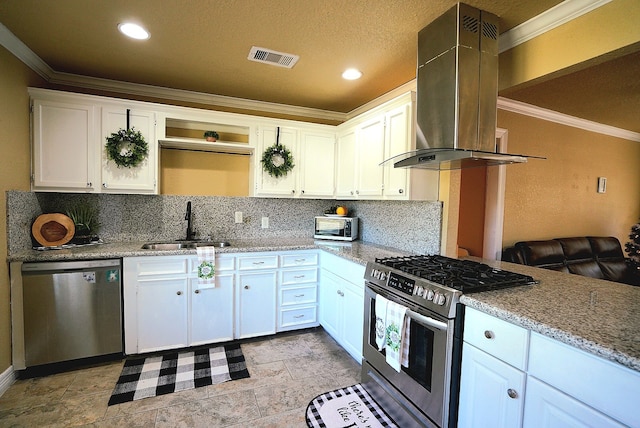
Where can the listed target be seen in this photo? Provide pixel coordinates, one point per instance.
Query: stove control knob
(419, 291)
(439, 299)
(429, 295)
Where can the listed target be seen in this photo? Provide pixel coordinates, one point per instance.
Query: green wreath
(277, 161)
(127, 148)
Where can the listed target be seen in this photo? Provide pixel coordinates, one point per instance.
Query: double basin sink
(183, 245)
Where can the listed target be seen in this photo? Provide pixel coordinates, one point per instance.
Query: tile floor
(287, 371)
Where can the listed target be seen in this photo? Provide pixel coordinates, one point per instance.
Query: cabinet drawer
(299, 276)
(499, 338)
(298, 295)
(223, 263)
(602, 384)
(156, 266)
(258, 262)
(299, 259)
(297, 316)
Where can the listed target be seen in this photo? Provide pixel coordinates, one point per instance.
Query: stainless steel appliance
(424, 394)
(71, 310)
(457, 92)
(336, 228)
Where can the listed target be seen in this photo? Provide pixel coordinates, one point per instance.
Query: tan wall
(15, 156)
(557, 197)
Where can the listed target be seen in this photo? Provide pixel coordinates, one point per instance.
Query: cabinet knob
(293, 192)
(512, 393)
(489, 334)
(302, 192)
(104, 185)
(197, 291)
(89, 184)
(179, 293)
(357, 192)
(246, 287)
(351, 192)
(340, 293)
(401, 191)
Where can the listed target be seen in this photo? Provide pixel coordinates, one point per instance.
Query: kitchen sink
(181, 245)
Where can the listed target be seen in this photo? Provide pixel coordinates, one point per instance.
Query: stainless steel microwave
(336, 228)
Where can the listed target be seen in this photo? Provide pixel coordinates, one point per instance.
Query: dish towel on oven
(206, 265)
(404, 354)
(395, 332)
(381, 321)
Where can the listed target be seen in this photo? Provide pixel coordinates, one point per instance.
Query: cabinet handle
(197, 291)
(298, 276)
(246, 287)
(179, 293)
(258, 263)
(489, 334)
(301, 260)
(89, 184)
(340, 293)
(512, 393)
(299, 316)
(299, 295)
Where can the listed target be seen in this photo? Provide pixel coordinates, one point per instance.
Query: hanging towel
(395, 329)
(381, 321)
(206, 265)
(404, 359)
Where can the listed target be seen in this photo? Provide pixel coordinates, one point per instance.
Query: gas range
(437, 282)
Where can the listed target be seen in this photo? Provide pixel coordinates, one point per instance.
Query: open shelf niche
(188, 135)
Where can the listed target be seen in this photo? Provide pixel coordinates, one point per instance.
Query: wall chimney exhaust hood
(457, 81)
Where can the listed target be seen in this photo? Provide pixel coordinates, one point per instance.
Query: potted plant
(86, 222)
(211, 135)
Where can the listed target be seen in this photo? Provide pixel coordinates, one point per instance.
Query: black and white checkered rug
(347, 407)
(159, 374)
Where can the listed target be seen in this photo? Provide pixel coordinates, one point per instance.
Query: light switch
(238, 216)
(265, 222)
(602, 184)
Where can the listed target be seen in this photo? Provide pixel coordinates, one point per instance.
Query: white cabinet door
(139, 179)
(491, 391)
(211, 315)
(346, 164)
(353, 319)
(546, 407)
(286, 185)
(330, 303)
(397, 140)
(63, 146)
(370, 154)
(161, 313)
(256, 304)
(317, 172)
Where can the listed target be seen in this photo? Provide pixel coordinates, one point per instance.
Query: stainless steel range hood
(457, 93)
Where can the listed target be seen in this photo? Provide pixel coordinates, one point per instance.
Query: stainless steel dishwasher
(71, 310)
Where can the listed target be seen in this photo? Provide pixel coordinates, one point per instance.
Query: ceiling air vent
(272, 57)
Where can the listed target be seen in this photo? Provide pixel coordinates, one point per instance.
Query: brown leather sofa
(593, 256)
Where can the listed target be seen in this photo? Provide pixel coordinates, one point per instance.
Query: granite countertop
(597, 316)
(356, 251)
(600, 317)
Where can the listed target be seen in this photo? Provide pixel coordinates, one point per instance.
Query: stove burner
(465, 275)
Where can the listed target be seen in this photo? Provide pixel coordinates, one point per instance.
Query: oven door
(425, 382)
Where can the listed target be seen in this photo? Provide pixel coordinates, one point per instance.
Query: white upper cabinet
(369, 155)
(63, 153)
(398, 140)
(313, 154)
(141, 178)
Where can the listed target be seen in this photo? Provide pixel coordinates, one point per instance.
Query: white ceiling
(202, 46)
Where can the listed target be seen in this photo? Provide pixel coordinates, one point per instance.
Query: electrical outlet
(265, 222)
(238, 217)
(602, 184)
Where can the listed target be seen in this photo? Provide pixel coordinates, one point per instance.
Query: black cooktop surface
(467, 276)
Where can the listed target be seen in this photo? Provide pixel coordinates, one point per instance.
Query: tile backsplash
(407, 225)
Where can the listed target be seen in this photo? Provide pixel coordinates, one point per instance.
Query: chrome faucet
(190, 233)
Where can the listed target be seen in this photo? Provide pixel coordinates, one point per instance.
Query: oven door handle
(428, 321)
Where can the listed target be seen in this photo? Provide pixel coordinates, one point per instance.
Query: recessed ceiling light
(134, 31)
(351, 74)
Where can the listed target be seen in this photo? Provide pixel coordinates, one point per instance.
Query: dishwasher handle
(69, 265)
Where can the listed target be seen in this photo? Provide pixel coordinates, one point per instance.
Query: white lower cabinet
(512, 377)
(256, 304)
(491, 391)
(298, 290)
(342, 302)
(165, 307)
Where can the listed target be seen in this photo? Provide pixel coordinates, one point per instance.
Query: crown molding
(547, 20)
(564, 119)
(24, 54)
